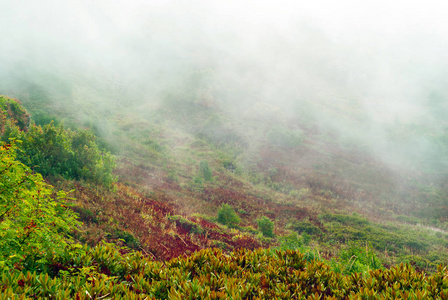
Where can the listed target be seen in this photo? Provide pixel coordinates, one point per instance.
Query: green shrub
(266, 226)
(229, 165)
(205, 171)
(357, 258)
(299, 194)
(128, 238)
(197, 184)
(294, 242)
(353, 219)
(228, 216)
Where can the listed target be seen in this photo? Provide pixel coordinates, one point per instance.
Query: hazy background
(373, 72)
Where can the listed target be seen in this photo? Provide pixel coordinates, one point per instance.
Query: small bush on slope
(205, 171)
(266, 226)
(356, 258)
(228, 216)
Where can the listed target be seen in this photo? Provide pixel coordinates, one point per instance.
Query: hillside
(298, 177)
(291, 185)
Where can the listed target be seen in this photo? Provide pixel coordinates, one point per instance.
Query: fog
(358, 68)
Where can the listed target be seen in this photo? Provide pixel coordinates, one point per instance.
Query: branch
(3, 214)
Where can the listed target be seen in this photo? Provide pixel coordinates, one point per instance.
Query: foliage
(12, 113)
(229, 165)
(306, 227)
(356, 258)
(344, 228)
(107, 272)
(85, 215)
(186, 224)
(294, 242)
(228, 216)
(205, 171)
(52, 150)
(299, 194)
(42, 118)
(127, 237)
(266, 226)
(33, 226)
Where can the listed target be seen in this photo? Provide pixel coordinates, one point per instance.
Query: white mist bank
(379, 62)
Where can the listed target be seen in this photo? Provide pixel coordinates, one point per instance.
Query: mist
(367, 73)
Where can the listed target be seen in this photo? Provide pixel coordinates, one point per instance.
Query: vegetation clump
(306, 227)
(344, 228)
(266, 226)
(228, 216)
(12, 113)
(205, 171)
(356, 258)
(53, 150)
(186, 224)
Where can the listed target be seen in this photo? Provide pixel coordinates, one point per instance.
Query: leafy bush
(294, 242)
(353, 219)
(229, 165)
(43, 118)
(33, 226)
(205, 171)
(266, 226)
(128, 238)
(357, 258)
(228, 216)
